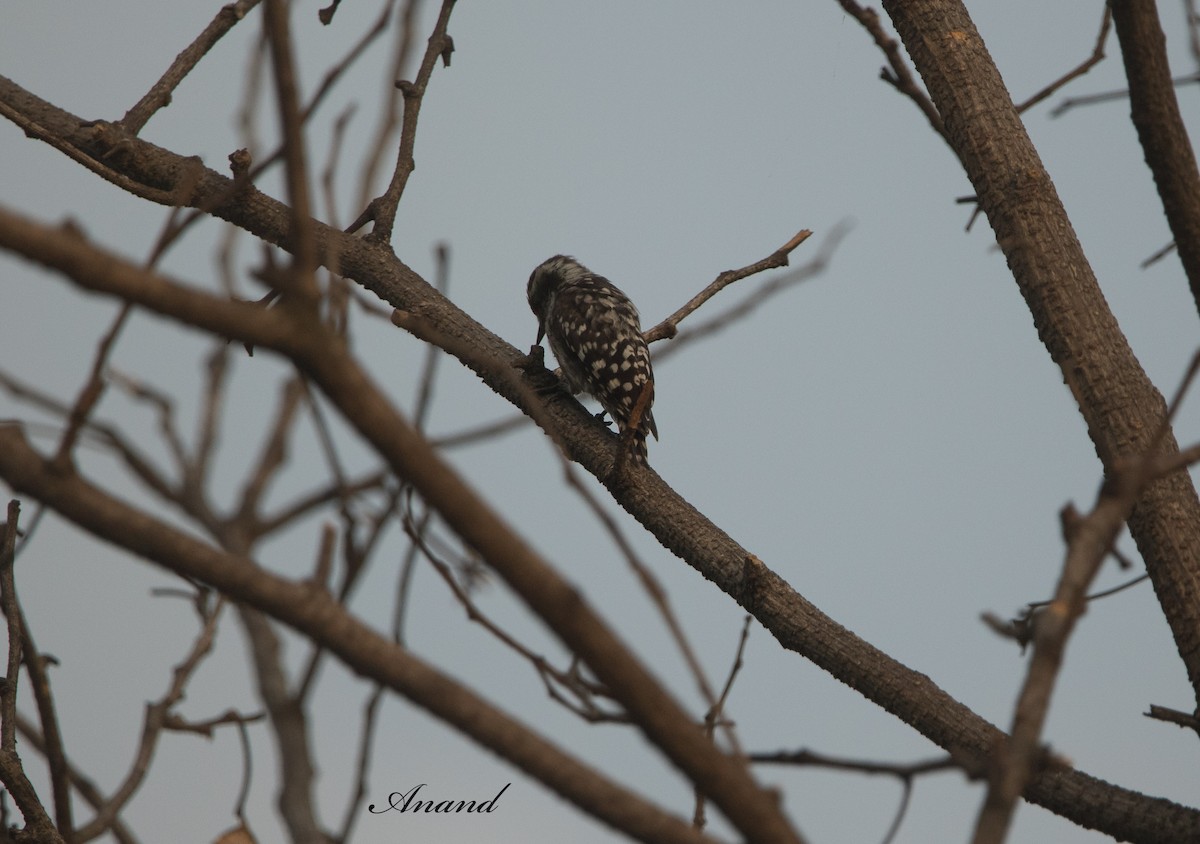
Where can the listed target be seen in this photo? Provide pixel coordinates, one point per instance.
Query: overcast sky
(890, 436)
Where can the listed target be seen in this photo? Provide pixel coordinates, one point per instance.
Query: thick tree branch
(797, 624)
(315, 613)
(1120, 405)
(324, 357)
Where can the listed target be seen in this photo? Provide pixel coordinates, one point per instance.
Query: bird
(596, 335)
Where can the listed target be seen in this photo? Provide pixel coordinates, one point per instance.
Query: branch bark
(318, 615)
(797, 624)
(323, 356)
(1160, 128)
(1122, 409)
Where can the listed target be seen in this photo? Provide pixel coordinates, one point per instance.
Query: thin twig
(305, 504)
(249, 110)
(907, 774)
(283, 63)
(583, 703)
(723, 319)
(347, 61)
(207, 727)
(1087, 64)
(104, 135)
(1017, 760)
(382, 210)
(441, 254)
(208, 423)
(1187, 720)
(138, 463)
(1158, 256)
(669, 327)
(55, 752)
(389, 112)
(366, 743)
(897, 74)
(239, 806)
(480, 433)
(1109, 96)
(8, 602)
(654, 588)
(152, 727)
(273, 456)
(162, 403)
(85, 786)
(715, 712)
(329, 172)
(159, 95)
(39, 826)
(92, 390)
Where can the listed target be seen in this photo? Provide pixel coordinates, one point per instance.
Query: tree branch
(324, 357)
(1160, 128)
(1122, 408)
(317, 615)
(797, 624)
(38, 826)
(382, 210)
(159, 95)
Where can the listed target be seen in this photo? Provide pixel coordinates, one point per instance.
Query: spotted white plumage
(596, 336)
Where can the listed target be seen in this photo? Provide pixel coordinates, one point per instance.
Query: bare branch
(138, 463)
(164, 406)
(297, 773)
(1110, 96)
(1090, 540)
(318, 616)
(1187, 720)
(1087, 64)
(768, 289)
(21, 649)
(159, 95)
(582, 697)
(716, 714)
(669, 327)
(382, 209)
(91, 392)
(1158, 256)
(1160, 127)
(907, 774)
(8, 601)
(324, 357)
(152, 726)
(81, 783)
(274, 453)
(897, 73)
(209, 421)
(295, 159)
(389, 111)
(795, 622)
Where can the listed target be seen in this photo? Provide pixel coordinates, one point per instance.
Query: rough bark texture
(1154, 110)
(1122, 409)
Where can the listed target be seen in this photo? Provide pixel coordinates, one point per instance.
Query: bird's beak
(541, 332)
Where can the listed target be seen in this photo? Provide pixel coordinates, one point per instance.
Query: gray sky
(890, 436)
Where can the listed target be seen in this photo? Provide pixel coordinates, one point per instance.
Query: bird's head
(544, 282)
